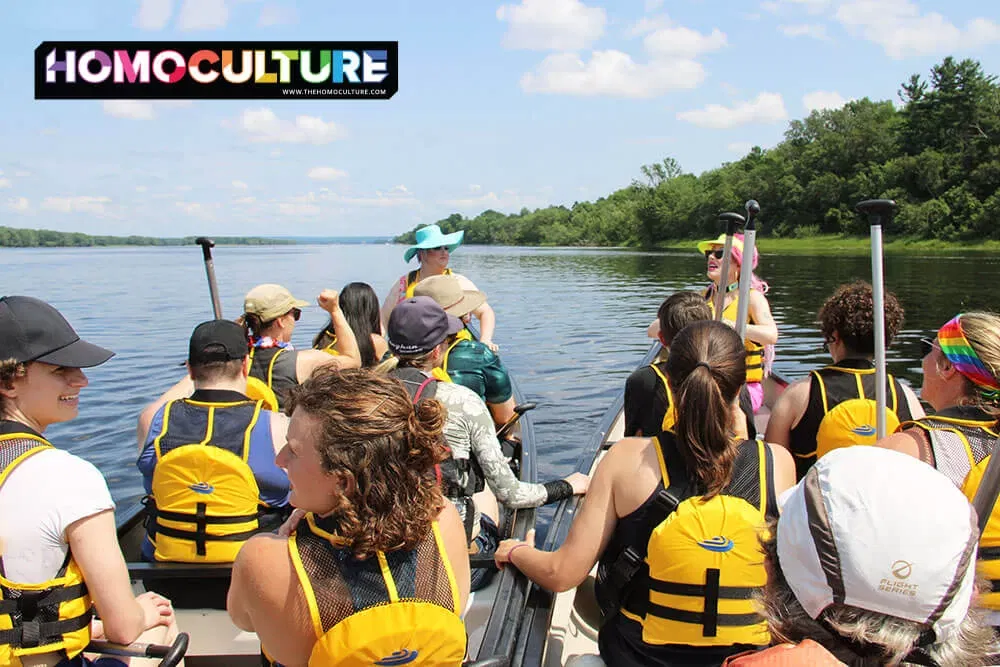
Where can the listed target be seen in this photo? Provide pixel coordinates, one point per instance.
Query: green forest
(11, 237)
(937, 155)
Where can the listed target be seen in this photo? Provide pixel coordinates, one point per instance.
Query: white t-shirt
(46, 493)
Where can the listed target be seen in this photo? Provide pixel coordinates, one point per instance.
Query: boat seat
(160, 570)
(585, 603)
(186, 585)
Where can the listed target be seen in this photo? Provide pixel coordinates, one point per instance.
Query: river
(570, 322)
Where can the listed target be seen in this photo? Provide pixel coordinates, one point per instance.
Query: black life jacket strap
(201, 520)
(989, 553)
(31, 634)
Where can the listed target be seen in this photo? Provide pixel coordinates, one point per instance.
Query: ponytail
(706, 367)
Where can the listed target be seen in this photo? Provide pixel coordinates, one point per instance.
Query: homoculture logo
(216, 70)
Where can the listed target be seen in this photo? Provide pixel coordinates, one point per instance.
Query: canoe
(492, 617)
(558, 626)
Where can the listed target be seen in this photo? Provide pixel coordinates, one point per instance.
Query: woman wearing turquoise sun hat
(433, 250)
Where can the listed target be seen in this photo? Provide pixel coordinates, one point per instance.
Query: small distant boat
(558, 626)
(492, 615)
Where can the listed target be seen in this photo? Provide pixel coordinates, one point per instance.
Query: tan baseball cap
(270, 301)
(448, 292)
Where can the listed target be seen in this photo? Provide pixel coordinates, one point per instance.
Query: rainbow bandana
(957, 350)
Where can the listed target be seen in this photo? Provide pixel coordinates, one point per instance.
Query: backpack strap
(420, 389)
(621, 577)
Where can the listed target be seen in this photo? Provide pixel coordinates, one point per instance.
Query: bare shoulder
(260, 555)
(797, 392)
(627, 453)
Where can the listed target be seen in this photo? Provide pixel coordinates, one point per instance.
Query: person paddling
(269, 316)
(433, 250)
(834, 406)
(665, 516)
(57, 522)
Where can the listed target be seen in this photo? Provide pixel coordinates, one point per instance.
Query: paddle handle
(213, 287)
(170, 655)
(733, 222)
(746, 268)
(878, 210)
(878, 302)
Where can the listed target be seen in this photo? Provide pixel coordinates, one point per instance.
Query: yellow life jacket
(444, 361)
(670, 414)
(853, 421)
(703, 557)
(205, 499)
(755, 351)
(962, 440)
(50, 617)
(258, 391)
(411, 282)
(402, 607)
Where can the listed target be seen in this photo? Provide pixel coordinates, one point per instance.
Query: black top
(9, 427)
(646, 403)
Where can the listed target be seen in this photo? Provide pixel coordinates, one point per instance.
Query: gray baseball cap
(418, 325)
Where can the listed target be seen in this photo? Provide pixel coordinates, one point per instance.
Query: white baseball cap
(882, 531)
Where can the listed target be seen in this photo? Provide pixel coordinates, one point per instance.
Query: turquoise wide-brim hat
(432, 237)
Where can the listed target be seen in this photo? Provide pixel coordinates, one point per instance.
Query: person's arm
(764, 330)
(457, 548)
(279, 430)
(912, 441)
(568, 566)
(784, 469)
(787, 412)
(183, 389)
(487, 324)
(93, 541)
(508, 489)
(347, 343)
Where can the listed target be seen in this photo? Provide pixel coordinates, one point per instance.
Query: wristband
(513, 549)
(557, 490)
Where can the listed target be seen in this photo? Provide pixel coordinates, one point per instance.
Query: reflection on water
(571, 323)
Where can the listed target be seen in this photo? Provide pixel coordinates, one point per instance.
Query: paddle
(213, 287)
(519, 410)
(733, 222)
(877, 210)
(746, 268)
(171, 655)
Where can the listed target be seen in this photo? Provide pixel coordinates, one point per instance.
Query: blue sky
(500, 105)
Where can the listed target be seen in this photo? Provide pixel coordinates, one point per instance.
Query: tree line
(11, 237)
(937, 155)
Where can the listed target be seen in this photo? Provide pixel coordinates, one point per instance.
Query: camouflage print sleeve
(472, 414)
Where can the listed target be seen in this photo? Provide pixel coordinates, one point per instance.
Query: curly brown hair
(850, 311)
(9, 369)
(385, 452)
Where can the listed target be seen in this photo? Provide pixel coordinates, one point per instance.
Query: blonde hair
(982, 330)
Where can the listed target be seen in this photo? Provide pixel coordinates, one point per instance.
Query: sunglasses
(717, 253)
(296, 313)
(926, 345)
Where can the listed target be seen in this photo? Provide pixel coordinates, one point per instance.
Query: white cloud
(560, 25)
(277, 15)
(649, 24)
(197, 209)
(765, 108)
(78, 204)
(154, 14)
(505, 200)
(611, 73)
(681, 42)
(653, 5)
(263, 125)
(20, 173)
(131, 109)
(18, 204)
(240, 185)
(740, 147)
(901, 30)
(4, 182)
(812, 6)
(141, 188)
(245, 200)
(203, 15)
(823, 99)
(814, 30)
(326, 174)
(475, 187)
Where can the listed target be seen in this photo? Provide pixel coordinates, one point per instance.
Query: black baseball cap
(32, 330)
(217, 340)
(419, 324)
